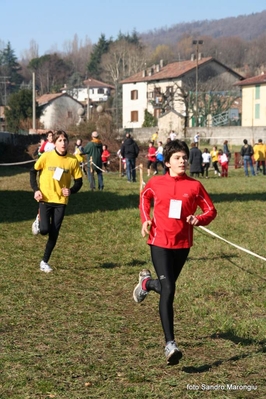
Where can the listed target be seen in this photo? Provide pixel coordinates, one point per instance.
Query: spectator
(48, 144)
(206, 161)
(246, 153)
(214, 154)
(260, 156)
(226, 150)
(195, 160)
(105, 157)
(130, 152)
(151, 159)
(196, 139)
(159, 155)
(223, 161)
(94, 150)
(172, 135)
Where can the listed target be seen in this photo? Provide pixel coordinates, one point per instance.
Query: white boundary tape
(17, 163)
(234, 245)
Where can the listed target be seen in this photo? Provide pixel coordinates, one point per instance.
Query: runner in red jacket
(175, 198)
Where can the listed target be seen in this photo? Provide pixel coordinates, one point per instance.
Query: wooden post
(140, 177)
(120, 166)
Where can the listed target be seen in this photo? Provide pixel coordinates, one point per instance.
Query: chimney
(192, 57)
(144, 73)
(161, 63)
(200, 56)
(157, 68)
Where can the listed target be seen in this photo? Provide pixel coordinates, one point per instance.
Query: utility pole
(88, 104)
(4, 83)
(197, 42)
(33, 102)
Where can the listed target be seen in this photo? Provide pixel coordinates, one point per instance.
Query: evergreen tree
(19, 110)
(94, 65)
(9, 67)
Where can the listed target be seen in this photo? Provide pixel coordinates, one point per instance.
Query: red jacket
(171, 233)
(152, 154)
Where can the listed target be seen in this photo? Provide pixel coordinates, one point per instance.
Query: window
(134, 116)
(134, 94)
(257, 111)
(100, 91)
(157, 112)
(69, 114)
(257, 92)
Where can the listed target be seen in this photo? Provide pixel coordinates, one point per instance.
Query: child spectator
(151, 159)
(223, 161)
(105, 157)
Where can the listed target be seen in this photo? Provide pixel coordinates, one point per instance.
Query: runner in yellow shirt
(56, 169)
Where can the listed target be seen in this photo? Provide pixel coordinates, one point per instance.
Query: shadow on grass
(237, 197)
(17, 206)
(230, 336)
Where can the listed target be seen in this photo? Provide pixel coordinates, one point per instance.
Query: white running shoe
(35, 228)
(139, 294)
(172, 353)
(44, 267)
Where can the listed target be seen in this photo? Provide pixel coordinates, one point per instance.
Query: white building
(59, 110)
(158, 90)
(96, 90)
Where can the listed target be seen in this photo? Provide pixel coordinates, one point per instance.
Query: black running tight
(51, 217)
(168, 264)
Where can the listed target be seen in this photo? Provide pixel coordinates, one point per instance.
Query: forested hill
(247, 27)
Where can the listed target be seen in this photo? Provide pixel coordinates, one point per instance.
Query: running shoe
(44, 267)
(139, 294)
(35, 228)
(172, 353)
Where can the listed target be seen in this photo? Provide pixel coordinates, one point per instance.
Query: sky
(53, 23)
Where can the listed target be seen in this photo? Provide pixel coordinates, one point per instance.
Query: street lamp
(197, 43)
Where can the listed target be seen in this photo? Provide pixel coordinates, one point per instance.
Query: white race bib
(175, 209)
(58, 174)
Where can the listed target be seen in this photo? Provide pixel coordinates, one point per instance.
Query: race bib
(175, 209)
(58, 174)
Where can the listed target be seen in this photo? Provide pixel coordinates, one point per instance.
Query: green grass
(77, 333)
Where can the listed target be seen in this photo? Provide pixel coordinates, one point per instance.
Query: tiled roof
(254, 80)
(47, 98)
(173, 70)
(94, 83)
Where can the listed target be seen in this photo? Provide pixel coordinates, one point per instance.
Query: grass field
(77, 333)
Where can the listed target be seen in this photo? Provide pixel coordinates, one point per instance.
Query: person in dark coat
(195, 160)
(130, 152)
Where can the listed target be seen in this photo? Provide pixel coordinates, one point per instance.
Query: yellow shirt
(259, 152)
(214, 155)
(50, 187)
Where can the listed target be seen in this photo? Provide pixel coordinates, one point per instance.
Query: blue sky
(51, 23)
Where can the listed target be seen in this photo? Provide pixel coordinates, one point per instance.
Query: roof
(48, 98)
(94, 83)
(253, 81)
(174, 70)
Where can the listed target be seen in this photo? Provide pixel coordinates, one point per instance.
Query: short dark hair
(59, 133)
(245, 141)
(174, 146)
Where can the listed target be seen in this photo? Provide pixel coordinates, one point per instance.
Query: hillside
(247, 27)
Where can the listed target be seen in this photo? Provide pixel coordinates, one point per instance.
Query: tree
(149, 119)
(51, 72)
(9, 68)
(19, 110)
(94, 66)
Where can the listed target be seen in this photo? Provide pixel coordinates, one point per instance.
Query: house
(253, 100)
(59, 110)
(160, 89)
(98, 91)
